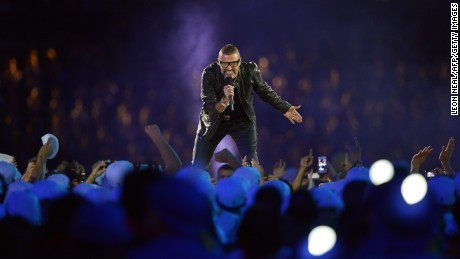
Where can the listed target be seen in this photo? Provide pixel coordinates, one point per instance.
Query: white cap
(231, 192)
(8, 171)
(199, 178)
(54, 143)
(326, 198)
(61, 179)
(25, 205)
(116, 172)
(48, 190)
(250, 173)
(6, 158)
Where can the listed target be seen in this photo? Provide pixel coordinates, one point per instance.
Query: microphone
(228, 80)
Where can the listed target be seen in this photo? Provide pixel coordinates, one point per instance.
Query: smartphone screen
(322, 162)
(430, 174)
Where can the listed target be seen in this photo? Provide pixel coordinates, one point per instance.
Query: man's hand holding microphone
(229, 92)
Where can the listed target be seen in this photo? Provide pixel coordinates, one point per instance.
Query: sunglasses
(226, 64)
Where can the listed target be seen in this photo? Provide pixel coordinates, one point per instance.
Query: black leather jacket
(250, 78)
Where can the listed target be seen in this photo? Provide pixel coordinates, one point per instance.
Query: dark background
(94, 73)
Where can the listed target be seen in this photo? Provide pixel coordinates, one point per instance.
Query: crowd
(95, 85)
(100, 80)
(126, 210)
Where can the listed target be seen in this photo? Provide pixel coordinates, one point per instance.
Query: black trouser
(243, 132)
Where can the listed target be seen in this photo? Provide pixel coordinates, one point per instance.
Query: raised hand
(309, 180)
(355, 151)
(45, 151)
(256, 165)
(307, 161)
(98, 169)
(331, 173)
(346, 164)
(445, 155)
(172, 161)
(38, 171)
(419, 158)
(446, 152)
(152, 131)
(279, 169)
(303, 163)
(244, 161)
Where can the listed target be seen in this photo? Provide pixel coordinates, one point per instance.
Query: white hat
(358, 173)
(99, 195)
(54, 142)
(242, 179)
(199, 178)
(25, 205)
(180, 206)
(92, 192)
(6, 158)
(116, 172)
(337, 186)
(284, 189)
(281, 186)
(8, 171)
(61, 179)
(83, 188)
(231, 193)
(19, 186)
(326, 198)
(250, 173)
(48, 190)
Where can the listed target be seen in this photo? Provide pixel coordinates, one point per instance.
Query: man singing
(228, 108)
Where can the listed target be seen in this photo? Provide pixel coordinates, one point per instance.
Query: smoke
(192, 46)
